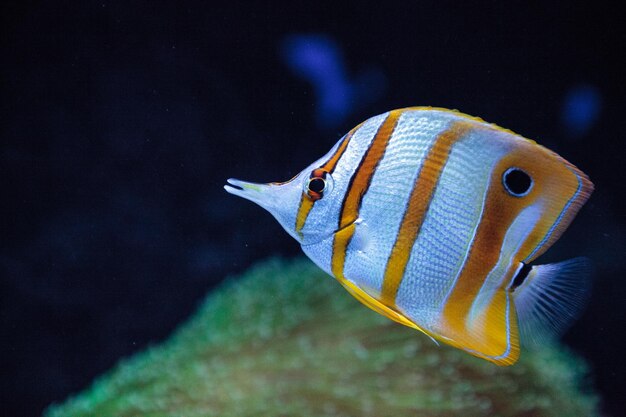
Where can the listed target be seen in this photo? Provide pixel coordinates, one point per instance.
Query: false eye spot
(517, 182)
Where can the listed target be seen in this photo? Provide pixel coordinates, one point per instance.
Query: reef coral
(285, 339)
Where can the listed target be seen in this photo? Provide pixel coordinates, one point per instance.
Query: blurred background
(120, 122)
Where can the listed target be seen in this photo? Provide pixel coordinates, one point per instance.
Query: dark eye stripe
(306, 202)
(357, 187)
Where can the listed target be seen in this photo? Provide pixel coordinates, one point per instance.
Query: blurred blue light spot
(581, 109)
(318, 59)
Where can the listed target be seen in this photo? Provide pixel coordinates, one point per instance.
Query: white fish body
(429, 217)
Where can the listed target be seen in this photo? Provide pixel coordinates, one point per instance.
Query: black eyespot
(317, 185)
(517, 182)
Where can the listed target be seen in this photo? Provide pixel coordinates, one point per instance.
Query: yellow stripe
(551, 178)
(331, 164)
(357, 188)
(306, 204)
(498, 214)
(419, 201)
(493, 335)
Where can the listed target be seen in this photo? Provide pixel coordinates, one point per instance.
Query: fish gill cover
(284, 339)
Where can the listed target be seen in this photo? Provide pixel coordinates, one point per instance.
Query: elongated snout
(255, 192)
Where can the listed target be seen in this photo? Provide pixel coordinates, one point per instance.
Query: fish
(433, 218)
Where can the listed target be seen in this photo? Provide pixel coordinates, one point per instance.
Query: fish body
(431, 217)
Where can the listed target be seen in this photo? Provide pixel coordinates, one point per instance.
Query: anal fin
(490, 333)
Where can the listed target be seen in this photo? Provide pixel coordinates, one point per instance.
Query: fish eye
(517, 182)
(318, 184)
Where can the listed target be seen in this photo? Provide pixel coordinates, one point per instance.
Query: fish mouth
(234, 186)
(232, 183)
(255, 192)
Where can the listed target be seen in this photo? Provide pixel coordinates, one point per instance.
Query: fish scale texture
(284, 339)
(384, 203)
(447, 230)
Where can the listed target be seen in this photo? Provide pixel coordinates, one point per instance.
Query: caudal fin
(550, 299)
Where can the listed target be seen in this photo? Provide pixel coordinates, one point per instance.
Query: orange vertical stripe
(499, 212)
(331, 164)
(359, 183)
(419, 201)
(490, 335)
(306, 204)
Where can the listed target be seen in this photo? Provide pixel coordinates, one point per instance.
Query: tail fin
(550, 299)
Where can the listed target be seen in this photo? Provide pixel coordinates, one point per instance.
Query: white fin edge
(551, 298)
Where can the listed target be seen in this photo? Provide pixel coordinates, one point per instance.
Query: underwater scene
(312, 209)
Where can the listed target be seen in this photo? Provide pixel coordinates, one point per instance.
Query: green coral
(286, 340)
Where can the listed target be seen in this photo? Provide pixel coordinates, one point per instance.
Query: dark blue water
(120, 123)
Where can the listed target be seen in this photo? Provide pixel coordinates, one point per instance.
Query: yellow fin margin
(493, 335)
(381, 308)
